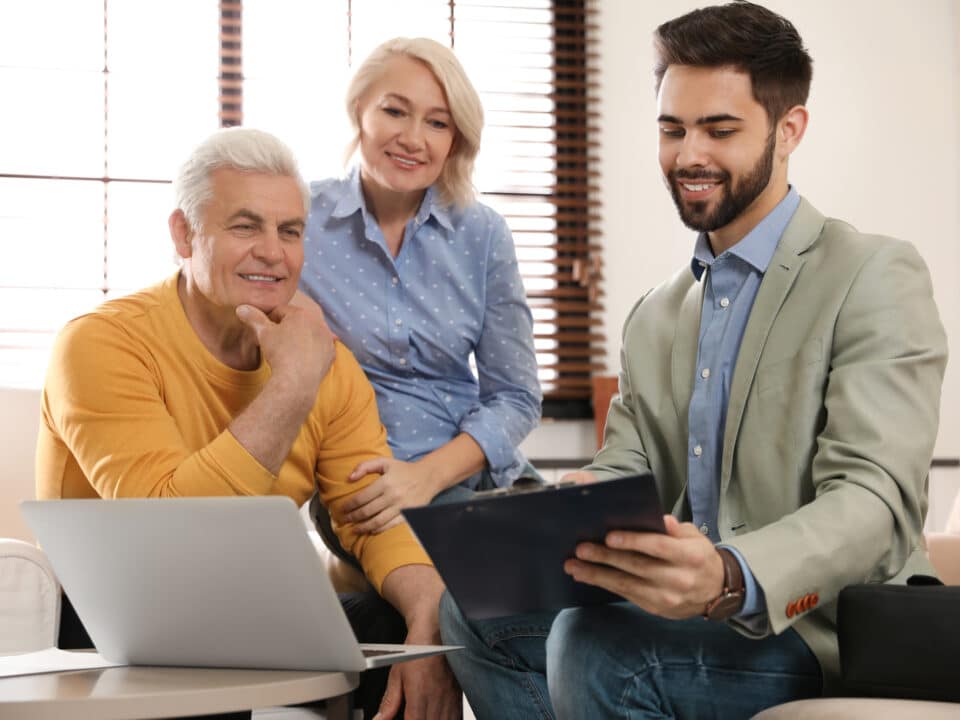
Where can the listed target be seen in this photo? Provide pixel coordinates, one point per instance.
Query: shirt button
(705, 373)
(705, 529)
(398, 321)
(724, 302)
(395, 280)
(697, 450)
(403, 361)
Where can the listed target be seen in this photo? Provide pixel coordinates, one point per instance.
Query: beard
(734, 199)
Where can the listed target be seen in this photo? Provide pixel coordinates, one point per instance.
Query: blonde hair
(455, 182)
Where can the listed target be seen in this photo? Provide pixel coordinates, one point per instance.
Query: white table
(138, 693)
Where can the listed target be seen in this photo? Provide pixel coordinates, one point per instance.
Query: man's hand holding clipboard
(673, 574)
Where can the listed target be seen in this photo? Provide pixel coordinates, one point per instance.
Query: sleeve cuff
(754, 601)
(237, 466)
(500, 453)
(381, 554)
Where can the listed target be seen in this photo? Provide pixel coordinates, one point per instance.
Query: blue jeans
(617, 661)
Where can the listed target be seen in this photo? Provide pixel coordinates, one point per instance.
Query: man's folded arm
(353, 433)
(107, 403)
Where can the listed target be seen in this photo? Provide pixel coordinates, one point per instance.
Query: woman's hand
(401, 485)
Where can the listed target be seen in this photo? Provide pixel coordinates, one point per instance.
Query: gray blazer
(831, 423)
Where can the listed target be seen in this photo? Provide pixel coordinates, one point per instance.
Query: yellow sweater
(135, 406)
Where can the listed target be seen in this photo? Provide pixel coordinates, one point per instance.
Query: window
(117, 91)
(84, 160)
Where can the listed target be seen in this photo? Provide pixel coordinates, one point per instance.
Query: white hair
(240, 148)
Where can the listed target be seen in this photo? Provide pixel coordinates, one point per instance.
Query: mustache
(698, 175)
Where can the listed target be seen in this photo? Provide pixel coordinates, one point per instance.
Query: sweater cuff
(241, 470)
(384, 552)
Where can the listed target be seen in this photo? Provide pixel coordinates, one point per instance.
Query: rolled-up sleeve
(510, 396)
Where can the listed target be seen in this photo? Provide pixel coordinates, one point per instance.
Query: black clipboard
(502, 553)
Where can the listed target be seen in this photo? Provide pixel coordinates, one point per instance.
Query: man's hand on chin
(287, 335)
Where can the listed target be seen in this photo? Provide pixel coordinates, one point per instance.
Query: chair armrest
(345, 577)
(29, 598)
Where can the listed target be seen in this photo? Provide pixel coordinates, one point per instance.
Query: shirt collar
(351, 200)
(757, 246)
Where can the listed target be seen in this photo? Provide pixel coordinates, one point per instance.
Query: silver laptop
(206, 582)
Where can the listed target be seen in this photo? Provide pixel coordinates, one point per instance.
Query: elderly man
(220, 381)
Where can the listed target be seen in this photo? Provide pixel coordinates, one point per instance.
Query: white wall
(882, 150)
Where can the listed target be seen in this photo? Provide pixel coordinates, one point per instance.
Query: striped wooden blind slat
(534, 63)
(230, 79)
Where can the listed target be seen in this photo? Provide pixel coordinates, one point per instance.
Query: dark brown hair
(745, 36)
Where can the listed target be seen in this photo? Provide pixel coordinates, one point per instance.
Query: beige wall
(19, 416)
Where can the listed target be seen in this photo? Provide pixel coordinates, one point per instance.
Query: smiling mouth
(407, 162)
(700, 187)
(260, 278)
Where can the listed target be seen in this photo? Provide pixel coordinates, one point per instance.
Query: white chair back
(29, 599)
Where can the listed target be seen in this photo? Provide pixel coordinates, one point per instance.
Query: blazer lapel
(804, 228)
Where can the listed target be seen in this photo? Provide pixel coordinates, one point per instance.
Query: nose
(692, 151)
(411, 136)
(268, 247)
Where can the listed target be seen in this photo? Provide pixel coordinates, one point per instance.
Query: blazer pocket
(792, 369)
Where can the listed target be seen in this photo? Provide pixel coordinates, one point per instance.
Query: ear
(790, 129)
(180, 233)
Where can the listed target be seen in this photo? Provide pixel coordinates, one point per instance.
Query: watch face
(725, 606)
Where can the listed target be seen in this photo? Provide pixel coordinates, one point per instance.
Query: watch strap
(730, 600)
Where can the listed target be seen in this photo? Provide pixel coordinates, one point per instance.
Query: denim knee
(568, 656)
(582, 680)
(454, 629)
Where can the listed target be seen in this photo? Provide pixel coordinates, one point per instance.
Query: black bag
(901, 641)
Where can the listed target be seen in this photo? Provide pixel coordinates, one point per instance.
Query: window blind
(97, 103)
(534, 65)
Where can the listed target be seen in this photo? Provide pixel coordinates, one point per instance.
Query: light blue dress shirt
(453, 292)
(732, 281)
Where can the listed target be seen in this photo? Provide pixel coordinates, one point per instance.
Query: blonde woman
(415, 276)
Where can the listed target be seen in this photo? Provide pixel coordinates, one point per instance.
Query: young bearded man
(219, 381)
(784, 390)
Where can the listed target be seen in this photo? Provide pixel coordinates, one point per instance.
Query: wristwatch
(730, 600)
